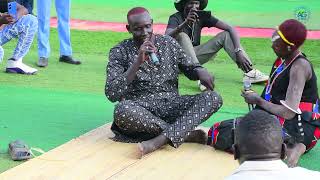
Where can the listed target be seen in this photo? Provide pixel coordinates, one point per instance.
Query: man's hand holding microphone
(147, 51)
(192, 17)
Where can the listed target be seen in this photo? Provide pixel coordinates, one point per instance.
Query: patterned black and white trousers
(175, 117)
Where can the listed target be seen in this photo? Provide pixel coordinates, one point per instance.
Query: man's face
(140, 26)
(279, 47)
(191, 4)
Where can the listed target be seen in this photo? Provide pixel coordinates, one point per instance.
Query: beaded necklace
(280, 69)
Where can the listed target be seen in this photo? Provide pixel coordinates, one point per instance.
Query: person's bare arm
(173, 32)
(300, 72)
(243, 63)
(191, 18)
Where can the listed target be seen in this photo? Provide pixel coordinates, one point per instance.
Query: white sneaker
(255, 76)
(19, 68)
(201, 87)
(1, 53)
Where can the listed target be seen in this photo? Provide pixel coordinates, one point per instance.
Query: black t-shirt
(4, 5)
(176, 19)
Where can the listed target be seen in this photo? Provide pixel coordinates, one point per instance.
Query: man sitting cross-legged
(150, 109)
(259, 147)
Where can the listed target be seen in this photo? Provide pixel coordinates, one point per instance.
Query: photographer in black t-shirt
(186, 25)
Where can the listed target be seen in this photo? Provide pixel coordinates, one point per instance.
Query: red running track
(160, 28)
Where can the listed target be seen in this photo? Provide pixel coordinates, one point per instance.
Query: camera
(204, 14)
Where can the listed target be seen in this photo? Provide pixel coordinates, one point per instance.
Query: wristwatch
(236, 50)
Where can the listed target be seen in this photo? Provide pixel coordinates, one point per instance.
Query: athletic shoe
(19, 68)
(201, 87)
(42, 62)
(255, 76)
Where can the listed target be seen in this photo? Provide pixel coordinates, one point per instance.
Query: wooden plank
(94, 156)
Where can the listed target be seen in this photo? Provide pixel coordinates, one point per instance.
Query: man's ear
(283, 151)
(236, 152)
(128, 28)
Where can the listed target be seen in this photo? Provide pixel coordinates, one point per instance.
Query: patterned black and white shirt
(151, 82)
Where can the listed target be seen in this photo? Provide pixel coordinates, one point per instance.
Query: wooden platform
(94, 156)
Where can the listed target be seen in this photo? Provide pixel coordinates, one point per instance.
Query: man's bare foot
(294, 153)
(197, 136)
(146, 147)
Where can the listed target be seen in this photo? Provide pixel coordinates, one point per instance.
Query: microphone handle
(250, 107)
(154, 58)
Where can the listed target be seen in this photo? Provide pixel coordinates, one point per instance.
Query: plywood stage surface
(94, 156)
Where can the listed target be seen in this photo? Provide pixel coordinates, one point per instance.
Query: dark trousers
(173, 117)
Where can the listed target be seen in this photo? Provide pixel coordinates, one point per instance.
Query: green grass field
(64, 101)
(245, 13)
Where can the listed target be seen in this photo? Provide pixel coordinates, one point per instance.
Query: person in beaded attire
(291, 94)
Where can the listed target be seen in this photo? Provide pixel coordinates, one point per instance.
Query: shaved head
(140, 24)
(136, 11)
(259, 135)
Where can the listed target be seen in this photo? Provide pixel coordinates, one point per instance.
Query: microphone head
(246, 85)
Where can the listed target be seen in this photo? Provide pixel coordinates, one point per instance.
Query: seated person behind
(23, 28)
(291, 94)
(186, 25)
(259, 147)
(150, 108)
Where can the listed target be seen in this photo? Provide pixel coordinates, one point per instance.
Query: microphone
(247, 87)
(154, 58)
